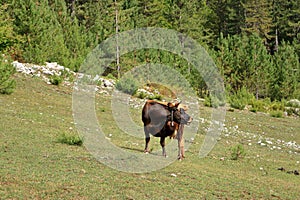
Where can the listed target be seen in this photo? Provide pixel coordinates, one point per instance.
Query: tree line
(255, 43)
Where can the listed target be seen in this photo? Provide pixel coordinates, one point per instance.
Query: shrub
(240, 99)
(213, 101)
(276, 113)
(289, 111)
(142, 95)
(155, 96)
(7, 85)
(127, 85)
(259, 105)
(56, 80)
(70, 139)
(237, 103)
(237, 152)
(110, 76)
(207, 101)
(276, 106)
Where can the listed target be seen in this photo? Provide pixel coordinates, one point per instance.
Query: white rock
(269, 142)
(294, 103)
(96, 78)
(107, 83)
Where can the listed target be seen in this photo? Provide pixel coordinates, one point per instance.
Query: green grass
(33, 165)
(70, 139)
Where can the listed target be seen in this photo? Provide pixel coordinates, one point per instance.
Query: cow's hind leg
(162, 143)
(147, 140)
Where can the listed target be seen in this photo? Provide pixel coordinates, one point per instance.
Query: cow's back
(154, 113)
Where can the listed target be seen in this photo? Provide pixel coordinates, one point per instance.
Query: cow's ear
(170, 105)
(177, 104)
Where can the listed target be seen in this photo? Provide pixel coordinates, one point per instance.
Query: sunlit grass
(35, 166)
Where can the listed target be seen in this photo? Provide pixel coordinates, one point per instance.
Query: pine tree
(227, 17)
(244, 62)
(286, 20)
(286, 72)
(152, 13)
(39, 24)
(7, 84)
(190, 18)
(8, 37)
(257, 66)
(75, 37)
(258, 18)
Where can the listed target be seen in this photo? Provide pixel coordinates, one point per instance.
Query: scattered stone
(281, 169)
(269, 142)
(295, 172)
(53, 68)
(108, 83)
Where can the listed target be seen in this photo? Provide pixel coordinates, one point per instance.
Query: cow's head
(182, 117)
(179, 114)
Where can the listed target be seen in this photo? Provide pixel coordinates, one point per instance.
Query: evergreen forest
(254, 43)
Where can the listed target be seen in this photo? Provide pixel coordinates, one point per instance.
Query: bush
(7, 85)
(240, 99)
(259, 105)
(142, 95)
(276, 113)
(237, 103)
(127, 85)
(276, 106)
(207, 101)
(56, 80)
(110, 76)
(148, 95)
(213, 101)
(155, 96)
(237, 152)
(70, 139)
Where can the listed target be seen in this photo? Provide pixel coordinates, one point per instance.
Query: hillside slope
(35, 166)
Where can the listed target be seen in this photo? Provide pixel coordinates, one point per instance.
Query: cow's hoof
(180, 158)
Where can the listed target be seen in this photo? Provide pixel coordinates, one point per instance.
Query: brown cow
(164, 120)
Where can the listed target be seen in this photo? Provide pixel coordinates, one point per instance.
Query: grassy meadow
(35, 165)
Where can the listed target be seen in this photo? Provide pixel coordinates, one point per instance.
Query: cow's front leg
(181, 149)
(180, 143)
(162, 143)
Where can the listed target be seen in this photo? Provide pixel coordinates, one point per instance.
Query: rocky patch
(50, 69)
